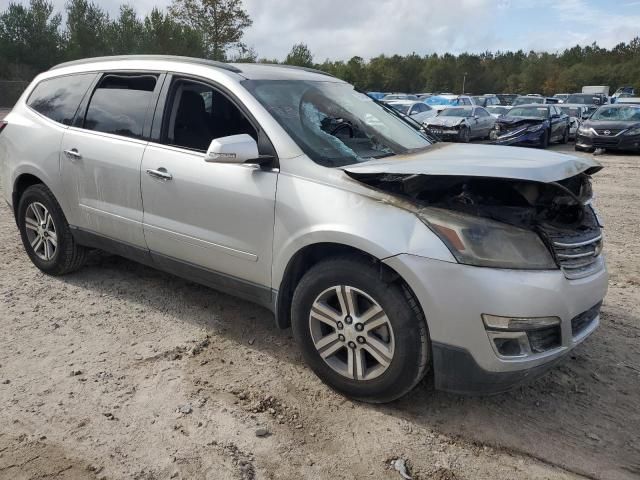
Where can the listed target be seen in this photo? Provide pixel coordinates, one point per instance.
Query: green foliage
(33, 38)
(300, 56)
(220, 22)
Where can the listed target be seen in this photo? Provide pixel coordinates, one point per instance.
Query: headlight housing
(536, 128)
(633, 131)
(486, 243)
(584, 130)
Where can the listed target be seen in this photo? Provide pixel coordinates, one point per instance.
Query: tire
(52, 249)
(544, 142)
(403, 333)
(464, 135)
(565, 137)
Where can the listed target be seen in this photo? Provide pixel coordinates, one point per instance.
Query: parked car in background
(612, 127)
(366, 248)
(486, 100)
(627, 100)
(576, 113)
(507, 98)
(497, 110)
(533, 99)
(440, 102)
(398, 96)
(417, 110)
(532, 125)
(597, 89)
(377, 95)
(562, 97)
(423, 96)
(591, 100)
(461, 123)
(628, 91)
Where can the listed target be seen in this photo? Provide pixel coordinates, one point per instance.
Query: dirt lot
(120, 371)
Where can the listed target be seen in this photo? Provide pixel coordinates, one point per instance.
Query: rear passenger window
(59, 98)
(119, 104)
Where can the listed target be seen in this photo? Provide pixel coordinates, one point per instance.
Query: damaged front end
(505, 222)
(517, 131)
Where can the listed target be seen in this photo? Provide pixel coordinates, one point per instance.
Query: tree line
(33, 37)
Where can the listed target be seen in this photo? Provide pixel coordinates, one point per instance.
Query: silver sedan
(461, 123)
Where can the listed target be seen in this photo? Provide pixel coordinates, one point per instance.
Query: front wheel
(362, 336)
(544, 141)
(464, 135)
(45, 233)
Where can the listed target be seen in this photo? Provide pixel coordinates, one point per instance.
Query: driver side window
(197, 113)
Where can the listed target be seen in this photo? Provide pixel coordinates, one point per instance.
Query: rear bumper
(621, 142)
(454, 297)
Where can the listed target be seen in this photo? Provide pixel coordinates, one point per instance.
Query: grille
(612, 131)
(580, 322)
(544, 339)
(578, 259)
(604, 142)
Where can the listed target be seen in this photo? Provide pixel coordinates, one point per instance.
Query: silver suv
(389, 255)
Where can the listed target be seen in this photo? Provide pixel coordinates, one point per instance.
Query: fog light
(518, 324)
(508, 347)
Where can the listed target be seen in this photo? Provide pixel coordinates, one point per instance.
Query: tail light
(2, 125)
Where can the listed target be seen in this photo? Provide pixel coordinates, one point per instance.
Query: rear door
(102, 153)
(208, 221)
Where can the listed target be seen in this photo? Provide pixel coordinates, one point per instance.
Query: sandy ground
(120, 371)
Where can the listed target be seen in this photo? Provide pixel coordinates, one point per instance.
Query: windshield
(624, 114)
(333, 123)
(537, 112)
(441, 101)
(456, 112)
(527, 100)
(582, 99)
(571, 111)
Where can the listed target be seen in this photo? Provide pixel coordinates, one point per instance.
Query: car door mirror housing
(233, 149)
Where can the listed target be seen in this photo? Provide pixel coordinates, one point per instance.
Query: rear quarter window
(58, 98)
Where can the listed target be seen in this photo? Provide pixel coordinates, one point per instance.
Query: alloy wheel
(41, 231)
(351, 333)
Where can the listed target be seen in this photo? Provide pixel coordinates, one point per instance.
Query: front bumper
(617, 142)
(454, 297)
(523, 138)
(444, 133)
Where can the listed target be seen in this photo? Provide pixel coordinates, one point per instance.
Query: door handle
(73, 154)
(160, 174)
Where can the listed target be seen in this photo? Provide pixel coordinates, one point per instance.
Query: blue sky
(339, 29)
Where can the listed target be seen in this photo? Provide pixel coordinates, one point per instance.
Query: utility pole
(464, 82)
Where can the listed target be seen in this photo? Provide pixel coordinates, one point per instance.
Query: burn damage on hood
(555, 210)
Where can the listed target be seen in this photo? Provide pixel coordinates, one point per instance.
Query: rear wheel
(45, 233)
(364, 337)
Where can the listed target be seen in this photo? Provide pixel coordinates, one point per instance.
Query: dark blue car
(532, 125)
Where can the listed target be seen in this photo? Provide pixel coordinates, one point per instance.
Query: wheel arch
(20, 185)
(310, 255)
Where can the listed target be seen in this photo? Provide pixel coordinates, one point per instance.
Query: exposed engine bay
(558, 211)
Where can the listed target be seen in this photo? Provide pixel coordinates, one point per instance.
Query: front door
(208, 220)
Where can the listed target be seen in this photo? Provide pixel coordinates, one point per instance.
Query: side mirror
(233, 149)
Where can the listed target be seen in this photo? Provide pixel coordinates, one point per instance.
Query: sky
(340, 29)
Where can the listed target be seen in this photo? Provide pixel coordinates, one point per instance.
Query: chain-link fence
(10, 91)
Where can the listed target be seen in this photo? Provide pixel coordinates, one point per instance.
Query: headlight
(487, 243)
(634, 131)
(584, 130)
(536, 128)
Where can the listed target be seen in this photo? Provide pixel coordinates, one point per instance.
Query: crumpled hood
(445, 121)
(611, 124)
(491, 161)
(515, 121)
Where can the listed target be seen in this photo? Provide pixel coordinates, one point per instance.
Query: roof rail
(294, 67)
(115, 58)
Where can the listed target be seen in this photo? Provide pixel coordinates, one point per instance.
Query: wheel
(46, 234)
(565, 137)
(362, 336)
(464, 135)
(544, 142)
